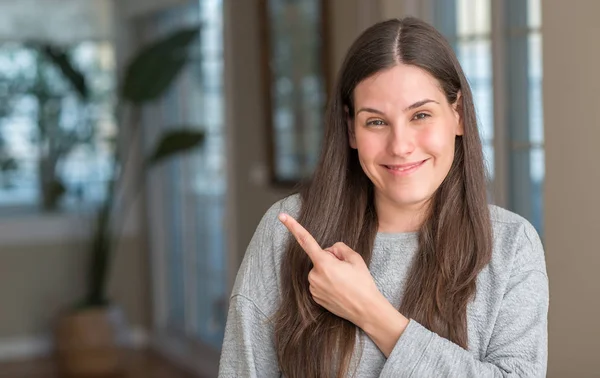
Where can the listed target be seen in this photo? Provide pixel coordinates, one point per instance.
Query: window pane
(536, 129)
(524, 59)
(55, 147)
(175, 258)
(534, 14)
(210, 183)
(473, 17)
(194, 183)
(536, 121)
(475, 58)
(537, 193)
(297, 85)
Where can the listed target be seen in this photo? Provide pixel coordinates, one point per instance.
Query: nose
(401, 141)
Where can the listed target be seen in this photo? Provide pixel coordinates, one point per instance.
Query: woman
(419, 277)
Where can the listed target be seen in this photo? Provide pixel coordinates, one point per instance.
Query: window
(295, 68)
(187, 195)
(54, 146)
(499, 43)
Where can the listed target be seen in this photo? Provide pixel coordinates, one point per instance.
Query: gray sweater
(507, 320)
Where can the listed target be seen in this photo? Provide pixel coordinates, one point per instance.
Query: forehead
(398, 87)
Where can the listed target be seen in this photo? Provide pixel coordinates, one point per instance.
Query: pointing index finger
(304, 238)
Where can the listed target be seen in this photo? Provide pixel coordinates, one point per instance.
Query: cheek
(369, 145)
(438, 142)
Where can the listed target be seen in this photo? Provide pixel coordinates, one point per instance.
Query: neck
(394, 218)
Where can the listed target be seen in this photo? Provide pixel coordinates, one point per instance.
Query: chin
(409, 201)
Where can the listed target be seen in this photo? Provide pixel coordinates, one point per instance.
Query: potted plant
(86, 336)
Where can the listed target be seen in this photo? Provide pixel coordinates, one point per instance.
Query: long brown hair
(455, 240)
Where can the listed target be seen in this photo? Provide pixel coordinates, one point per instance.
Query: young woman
(397, 266)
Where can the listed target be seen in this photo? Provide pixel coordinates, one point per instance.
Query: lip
(404, 169)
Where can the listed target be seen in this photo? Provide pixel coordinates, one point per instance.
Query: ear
(350, 127)
(459, 113)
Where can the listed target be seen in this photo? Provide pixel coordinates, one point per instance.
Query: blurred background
(141, 141)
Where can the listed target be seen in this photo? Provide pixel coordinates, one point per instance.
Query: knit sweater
(506, 320)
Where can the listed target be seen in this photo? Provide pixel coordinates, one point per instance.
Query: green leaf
(59, 58)
(174, 142)
(56, 188)
(156, 66)
(8, 164)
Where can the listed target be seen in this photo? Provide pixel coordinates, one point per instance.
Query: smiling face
(404, 132)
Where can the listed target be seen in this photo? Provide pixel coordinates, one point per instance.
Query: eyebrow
(417, 104)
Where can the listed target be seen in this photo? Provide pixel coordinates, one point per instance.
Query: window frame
(266, 51)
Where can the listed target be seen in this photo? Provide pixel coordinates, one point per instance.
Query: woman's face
(404, 132)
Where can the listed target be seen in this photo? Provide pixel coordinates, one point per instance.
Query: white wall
(89, 19)
(135, 8)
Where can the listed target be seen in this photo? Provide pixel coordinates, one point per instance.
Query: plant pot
(87, 342)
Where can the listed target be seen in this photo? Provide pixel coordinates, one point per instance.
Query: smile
(404, 169)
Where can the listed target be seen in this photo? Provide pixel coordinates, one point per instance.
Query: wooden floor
(140, 364)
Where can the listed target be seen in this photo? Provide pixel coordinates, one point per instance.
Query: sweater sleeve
(248, 349)
(519, 343)
(248, 346)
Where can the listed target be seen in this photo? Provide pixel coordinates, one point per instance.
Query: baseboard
(18, 348)
(27, 347)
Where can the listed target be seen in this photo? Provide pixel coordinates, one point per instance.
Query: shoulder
(269, 228)
(517, 243)
(258, 276)
(290, 205)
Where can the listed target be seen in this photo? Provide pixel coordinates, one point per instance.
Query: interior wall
(39, 281)
(572, 199)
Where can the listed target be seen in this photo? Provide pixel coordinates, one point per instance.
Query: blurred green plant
(148, 76)
(8, 164)
(53, 141)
